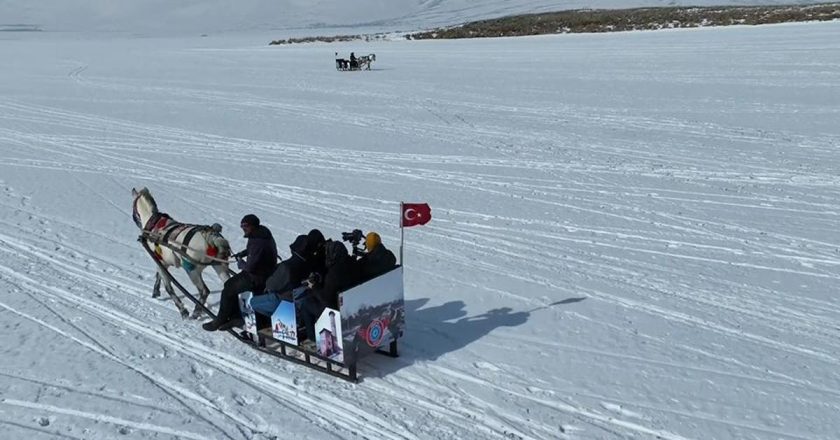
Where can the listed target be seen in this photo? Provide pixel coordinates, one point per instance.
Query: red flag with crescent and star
(415, 214)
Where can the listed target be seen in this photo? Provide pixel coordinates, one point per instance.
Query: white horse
(192, 247)
(365, 61)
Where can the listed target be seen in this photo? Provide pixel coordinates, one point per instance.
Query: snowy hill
(634, 235)
(192, 16)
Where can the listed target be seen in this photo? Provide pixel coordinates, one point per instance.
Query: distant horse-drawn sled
(354, 63)
(368, 316)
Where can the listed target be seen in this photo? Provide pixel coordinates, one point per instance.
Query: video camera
(355, 238)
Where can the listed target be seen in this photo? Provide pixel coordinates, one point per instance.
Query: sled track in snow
(266, 381)
(618, 208)
(282, 387)
(279, 386)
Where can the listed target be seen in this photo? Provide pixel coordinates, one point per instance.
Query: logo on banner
(375, 331)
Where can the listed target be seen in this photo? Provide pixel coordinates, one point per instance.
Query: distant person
(354, 63)
(260, 258)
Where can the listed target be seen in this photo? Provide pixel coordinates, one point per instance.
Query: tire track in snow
(342, 414)
(168, 387)
(102, 418)
(583, 413)
(99, 392)
(122, 320)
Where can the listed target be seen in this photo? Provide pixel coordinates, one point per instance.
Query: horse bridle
(149, 223)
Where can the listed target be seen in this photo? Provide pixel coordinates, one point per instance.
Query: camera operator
(354, 238)
(378, 259)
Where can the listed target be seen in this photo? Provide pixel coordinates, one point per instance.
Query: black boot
(211, 326)
(235, 322)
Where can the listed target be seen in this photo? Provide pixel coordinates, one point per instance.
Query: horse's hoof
(196, 314)
(155, 294)
(185, 314)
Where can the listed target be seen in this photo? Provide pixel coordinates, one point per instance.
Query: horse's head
(144, 206)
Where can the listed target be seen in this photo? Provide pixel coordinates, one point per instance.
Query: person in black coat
(291, 271)
(287, 275)
(342, 273)
(378, 259)
(314, 252)
(260, 259)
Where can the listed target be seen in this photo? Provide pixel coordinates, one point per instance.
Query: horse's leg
(223, 271)
(167, 284)
(156, 288)
(203, 291)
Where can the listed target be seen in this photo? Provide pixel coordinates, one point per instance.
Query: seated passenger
(286, 276)
(314, 252)
(307, 258)
(342, 273)
(378, 259)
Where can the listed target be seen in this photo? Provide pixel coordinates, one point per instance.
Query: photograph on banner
(374, 313)
(248, 313)
(284, 323)
(328, 335)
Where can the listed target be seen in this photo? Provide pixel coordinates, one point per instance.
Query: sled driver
(260, 258)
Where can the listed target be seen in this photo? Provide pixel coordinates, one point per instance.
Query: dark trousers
(311, 310)
(229, 303)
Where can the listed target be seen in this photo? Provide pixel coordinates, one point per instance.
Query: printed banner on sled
(284, 323)
(248, 314)
(328, 335)
(373, 314)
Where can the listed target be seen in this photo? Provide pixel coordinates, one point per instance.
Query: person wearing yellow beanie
(378, 259)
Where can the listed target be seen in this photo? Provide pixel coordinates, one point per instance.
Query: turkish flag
(414, 214)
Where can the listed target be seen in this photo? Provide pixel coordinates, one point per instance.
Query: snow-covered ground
(634, 235)
(294, 17)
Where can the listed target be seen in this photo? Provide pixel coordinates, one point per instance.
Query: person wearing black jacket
(288, 275)
(314, 252)
(260, 259)
(342, 273)
(307, 257)
(378, 259)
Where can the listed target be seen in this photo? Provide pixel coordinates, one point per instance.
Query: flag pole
(402, 232)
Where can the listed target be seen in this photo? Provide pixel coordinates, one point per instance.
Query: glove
(240, 263)
(313, 280)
